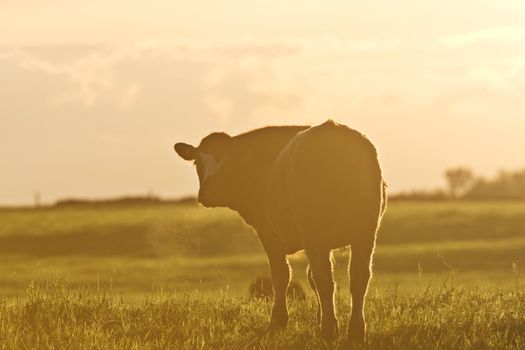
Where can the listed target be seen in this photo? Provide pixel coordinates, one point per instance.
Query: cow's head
(211, 161)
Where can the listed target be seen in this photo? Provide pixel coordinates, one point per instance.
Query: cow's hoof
(356, 333)
(278, 323)
(354, 345)
(357, 340)
(279, 318)
(329, 331)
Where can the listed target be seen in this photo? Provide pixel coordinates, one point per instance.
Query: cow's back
(325, 188)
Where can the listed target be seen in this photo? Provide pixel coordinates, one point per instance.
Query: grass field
(152, 276)
(55, 317)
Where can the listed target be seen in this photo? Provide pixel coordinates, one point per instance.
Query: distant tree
(459, 180)
(506, 185)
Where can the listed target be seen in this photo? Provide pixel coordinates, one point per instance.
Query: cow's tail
(384, 196)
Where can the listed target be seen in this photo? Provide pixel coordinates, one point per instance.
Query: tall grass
(54, 316)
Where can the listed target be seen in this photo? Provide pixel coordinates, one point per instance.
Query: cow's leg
(281, 278)
(360, 268)
(312, 284)
(321, 266)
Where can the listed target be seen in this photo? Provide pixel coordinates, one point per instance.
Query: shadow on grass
(113, 240)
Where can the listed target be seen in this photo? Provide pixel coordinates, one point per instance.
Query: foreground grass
(55, 316)
(205, 259)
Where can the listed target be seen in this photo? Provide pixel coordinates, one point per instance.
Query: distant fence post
(36, 199)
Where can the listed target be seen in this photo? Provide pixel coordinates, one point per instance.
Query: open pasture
(447, 275)
(187, 248)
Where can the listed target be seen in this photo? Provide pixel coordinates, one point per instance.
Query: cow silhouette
(301, 188)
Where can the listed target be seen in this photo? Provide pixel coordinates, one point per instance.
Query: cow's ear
(185, 151)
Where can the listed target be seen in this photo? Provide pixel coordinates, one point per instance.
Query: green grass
(144, 248)
(54, 316)
(175, 276)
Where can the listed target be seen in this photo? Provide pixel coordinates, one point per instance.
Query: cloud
(129, 96)
(496, 34)
(238, 81)
(90, 72)
(133, 101)
(221, 107)
(92, 68)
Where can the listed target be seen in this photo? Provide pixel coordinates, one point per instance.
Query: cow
(305, 188)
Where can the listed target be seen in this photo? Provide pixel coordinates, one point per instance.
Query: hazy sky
(93, 94)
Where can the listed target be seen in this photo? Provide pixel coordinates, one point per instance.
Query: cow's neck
(248, 205)
(255, 153)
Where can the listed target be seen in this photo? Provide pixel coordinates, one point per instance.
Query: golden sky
(93, 94)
